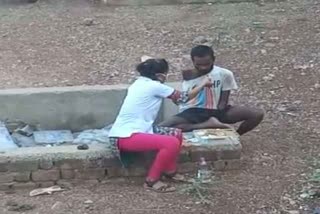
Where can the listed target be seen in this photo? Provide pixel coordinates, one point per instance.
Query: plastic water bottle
(204, 174)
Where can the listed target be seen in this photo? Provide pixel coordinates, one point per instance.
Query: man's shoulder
(222, 70)
(189, 74)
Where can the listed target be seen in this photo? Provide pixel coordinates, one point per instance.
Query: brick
(6, 186)
(126, 172)
(230, 154)
(198, 152)
(69, 164)
(45, 164)
(46, 175)
(4, 166)
(90, 174)
(184, 156)
(67, 174)
(22, 166)
(223, 165)
(6, 177)
(27, 185)
(187, 167)
(22, 176)
(45, 184)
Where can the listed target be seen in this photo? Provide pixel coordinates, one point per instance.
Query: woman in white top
(133, 129)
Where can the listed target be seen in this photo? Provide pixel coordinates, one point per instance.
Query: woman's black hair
(151, 67)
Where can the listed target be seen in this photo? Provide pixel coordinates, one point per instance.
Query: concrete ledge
(168, 2)
(76, 108)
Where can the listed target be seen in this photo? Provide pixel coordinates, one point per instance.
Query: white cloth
(140, 107)
(223, 80)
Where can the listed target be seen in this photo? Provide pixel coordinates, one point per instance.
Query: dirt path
(273, 50)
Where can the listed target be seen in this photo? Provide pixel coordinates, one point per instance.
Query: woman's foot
(159, 187)
(175, 177)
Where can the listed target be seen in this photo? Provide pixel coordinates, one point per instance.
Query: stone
(67, 174)
(6, 186)
(22, 176)
(90, 174)
(23, 165)
(6, 177)
(23, 141)
(27, 185)
(26, 130)
(45, 164)
(88, 22)
(59, 206)
(69, 164)
(46, 175)
(187, 167)
(200, 151)
(88, 202)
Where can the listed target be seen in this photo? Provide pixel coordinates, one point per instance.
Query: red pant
(168, 148)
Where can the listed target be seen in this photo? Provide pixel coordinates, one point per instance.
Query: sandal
(159, 187)
(176, 177)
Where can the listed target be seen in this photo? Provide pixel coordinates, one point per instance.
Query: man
(211, 109)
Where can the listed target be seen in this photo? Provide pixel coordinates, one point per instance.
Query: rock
(317, 86)
(88, 202)
(263, 51)
(27, 130)
(88, 22)
(83, 147)
(200, 40)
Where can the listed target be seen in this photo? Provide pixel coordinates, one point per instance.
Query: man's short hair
(202, 51)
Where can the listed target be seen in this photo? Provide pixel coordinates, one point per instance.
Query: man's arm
(224, 100)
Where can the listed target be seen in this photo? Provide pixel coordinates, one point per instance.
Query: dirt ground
(273, 49)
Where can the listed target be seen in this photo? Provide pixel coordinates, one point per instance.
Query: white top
(223, 80)
(140, 107)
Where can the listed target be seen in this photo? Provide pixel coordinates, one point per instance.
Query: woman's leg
(168, 148)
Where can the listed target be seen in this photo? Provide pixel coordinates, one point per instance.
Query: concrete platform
(79, 108)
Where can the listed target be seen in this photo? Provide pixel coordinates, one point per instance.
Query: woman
(133, 130)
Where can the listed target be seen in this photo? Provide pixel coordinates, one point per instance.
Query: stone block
(90, 174)
(45, 175)
(27, 185)
(201, 151)
(69, 164)
(6, 186)
(4, 165)
(187, 167)
(45, 164)
(67, 174)
(23, 165)
(222, 165)
(22, 176)
(6, 177)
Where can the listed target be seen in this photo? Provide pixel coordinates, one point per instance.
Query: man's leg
(173, 122)
(211, 123)
(250, 117)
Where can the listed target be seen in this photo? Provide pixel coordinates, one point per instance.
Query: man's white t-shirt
(223, 80)
(140, 107)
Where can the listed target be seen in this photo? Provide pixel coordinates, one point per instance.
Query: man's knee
(258, 115)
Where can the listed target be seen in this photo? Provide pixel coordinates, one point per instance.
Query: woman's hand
(207, 82)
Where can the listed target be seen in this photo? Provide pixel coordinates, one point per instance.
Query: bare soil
(273, 49)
